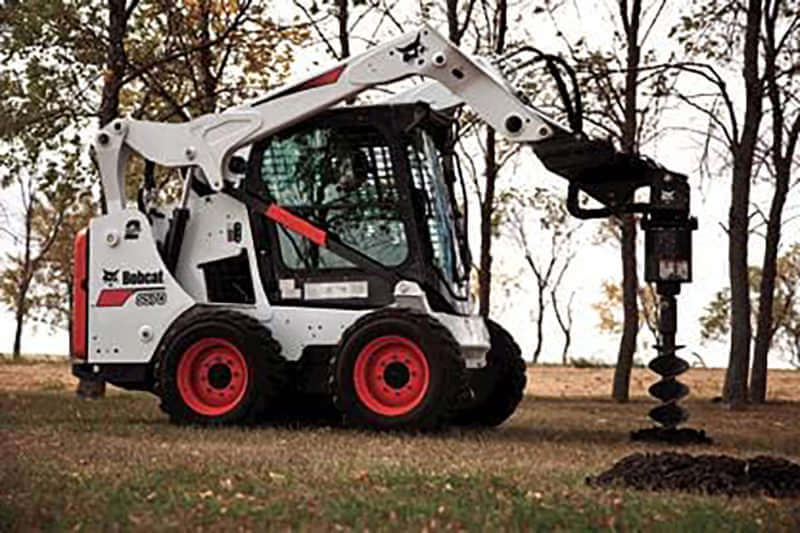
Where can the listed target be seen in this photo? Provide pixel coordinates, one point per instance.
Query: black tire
(437, 391)
(498, 387)
(209, 336)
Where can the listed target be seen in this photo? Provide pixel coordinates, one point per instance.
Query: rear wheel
(217, 366)
(499, 386)
(397, 369)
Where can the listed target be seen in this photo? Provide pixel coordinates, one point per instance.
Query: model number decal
(149, 298)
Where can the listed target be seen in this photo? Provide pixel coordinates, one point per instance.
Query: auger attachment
(668, 255)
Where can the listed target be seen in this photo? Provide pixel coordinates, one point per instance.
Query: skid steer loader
(319, 250)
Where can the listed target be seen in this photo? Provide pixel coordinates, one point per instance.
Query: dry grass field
(116, 464)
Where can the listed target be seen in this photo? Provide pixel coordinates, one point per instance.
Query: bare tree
(498, 13)
(342, 15)
(30, 248)
(735, 388)
(735, 27)
(563, 317)
(346, 23)
(458, 21)
(632, 22)
(547, 263)
(781, 75)
(625, 105)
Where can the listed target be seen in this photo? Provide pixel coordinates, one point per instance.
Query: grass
(116, 464)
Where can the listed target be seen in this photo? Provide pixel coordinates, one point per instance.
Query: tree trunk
(735, 387)
(115, 71)
(19, 313)
(205, 57)
(342, 15)
(22, 293)
(539, 324)
(630, 283)
(19, 317)
(452, 21)
(766, 295)
(630, 280)
(782, 164)
(487, 207)
(455, 30)
(565, 325)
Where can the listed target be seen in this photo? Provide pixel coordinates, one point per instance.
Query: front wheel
(397, 369)
(216, 366)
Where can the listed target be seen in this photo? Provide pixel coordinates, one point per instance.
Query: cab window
(340, 179)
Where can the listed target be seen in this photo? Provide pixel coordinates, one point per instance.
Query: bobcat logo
(412, 50)
(110, 276)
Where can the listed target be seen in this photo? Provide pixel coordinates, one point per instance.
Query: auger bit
(595, 169)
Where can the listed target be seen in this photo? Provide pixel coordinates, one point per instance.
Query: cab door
(341, 174)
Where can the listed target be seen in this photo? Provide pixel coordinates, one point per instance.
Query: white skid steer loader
(331, 260)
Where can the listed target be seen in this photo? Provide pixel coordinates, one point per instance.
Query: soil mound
(706, 474)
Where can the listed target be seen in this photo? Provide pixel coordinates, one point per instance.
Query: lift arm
(209, 141)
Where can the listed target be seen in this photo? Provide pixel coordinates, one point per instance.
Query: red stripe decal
(113, 297)
(327, 78)
(297, 224)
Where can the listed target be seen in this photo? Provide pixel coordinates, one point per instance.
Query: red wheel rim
(212, 376)
(391, 375)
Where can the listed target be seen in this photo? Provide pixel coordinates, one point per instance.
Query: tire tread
(270, 378)
(454, 370)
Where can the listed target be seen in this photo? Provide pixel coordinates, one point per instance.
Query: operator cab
(380, 178)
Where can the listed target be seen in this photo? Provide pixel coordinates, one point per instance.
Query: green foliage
(715, 321)
(551, 211)
(712, 31)
(610, 305)
(192, 57)
(51, 295)
(182, 59)
(52, 53)
(51, 59)
(48, 183)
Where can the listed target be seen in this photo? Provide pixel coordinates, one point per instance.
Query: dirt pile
(707, 474)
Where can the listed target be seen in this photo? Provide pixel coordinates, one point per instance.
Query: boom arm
(209, 141)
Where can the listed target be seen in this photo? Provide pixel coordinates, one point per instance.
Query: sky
(594, 263)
